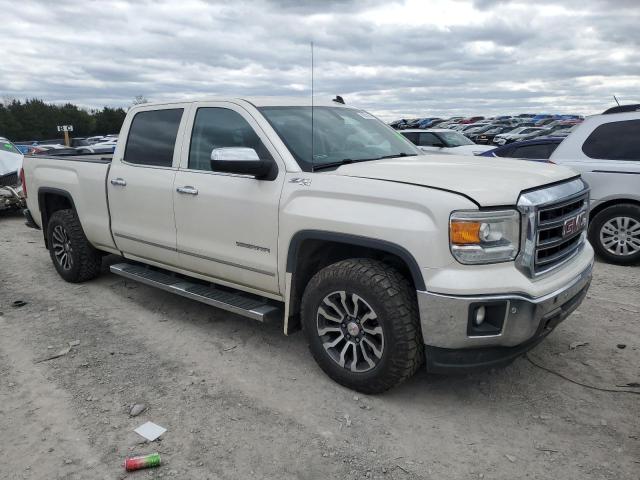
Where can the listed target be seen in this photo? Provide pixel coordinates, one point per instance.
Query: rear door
(140, 184)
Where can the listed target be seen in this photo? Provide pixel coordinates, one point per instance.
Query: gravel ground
(240, 400)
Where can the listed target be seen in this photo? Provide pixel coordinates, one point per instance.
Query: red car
(472, 119)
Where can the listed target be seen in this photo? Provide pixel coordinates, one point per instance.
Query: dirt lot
(240, 400)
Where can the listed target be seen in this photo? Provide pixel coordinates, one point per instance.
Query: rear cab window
(152, 137)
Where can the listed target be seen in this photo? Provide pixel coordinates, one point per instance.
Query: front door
(227, 224)
(140, 185)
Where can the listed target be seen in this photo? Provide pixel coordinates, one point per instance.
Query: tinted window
(429, 140)
(219, 128)
(152, 137)
(413, 136)
(504, 152)
(614, 141)
(532, 151)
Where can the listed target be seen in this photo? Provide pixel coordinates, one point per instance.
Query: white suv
(605, 149)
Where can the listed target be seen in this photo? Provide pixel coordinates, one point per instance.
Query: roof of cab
(258, 101)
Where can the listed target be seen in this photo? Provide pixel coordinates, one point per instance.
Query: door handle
(118, 182)
(187, 190)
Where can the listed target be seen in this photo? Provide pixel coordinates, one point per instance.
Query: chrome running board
(239, 303)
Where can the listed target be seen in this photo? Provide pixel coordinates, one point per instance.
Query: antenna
(614, 97)
(312, 157)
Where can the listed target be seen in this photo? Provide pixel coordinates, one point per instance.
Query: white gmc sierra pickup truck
(334, 222)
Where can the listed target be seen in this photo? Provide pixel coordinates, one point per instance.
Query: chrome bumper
(445, 318)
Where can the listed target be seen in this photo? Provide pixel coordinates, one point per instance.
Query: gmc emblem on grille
(574, 224)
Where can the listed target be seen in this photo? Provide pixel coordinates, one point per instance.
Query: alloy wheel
(621, 236)
(61, 245)
(350, 331)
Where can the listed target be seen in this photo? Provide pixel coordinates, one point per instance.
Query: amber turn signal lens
(464, 233)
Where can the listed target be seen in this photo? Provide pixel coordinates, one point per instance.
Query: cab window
(152, 137)
(216, 127)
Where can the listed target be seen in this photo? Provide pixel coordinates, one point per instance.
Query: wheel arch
(50, 200)
(311, 250)
(610, 203)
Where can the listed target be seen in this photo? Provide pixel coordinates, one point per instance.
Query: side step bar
(232, 302)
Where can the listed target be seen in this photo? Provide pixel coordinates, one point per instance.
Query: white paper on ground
(150, 431)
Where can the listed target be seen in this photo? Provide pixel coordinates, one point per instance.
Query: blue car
(24, 149)
(537, 149)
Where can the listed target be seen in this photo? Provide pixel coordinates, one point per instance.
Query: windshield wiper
(395, 155)
(339, 163)
(350, 160)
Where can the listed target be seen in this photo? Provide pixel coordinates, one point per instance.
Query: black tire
(84, 262)
(610, 214)
(394, 302)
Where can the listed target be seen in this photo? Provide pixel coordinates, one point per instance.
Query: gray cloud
(401, 58)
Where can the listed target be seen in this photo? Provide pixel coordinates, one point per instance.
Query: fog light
(486, 318)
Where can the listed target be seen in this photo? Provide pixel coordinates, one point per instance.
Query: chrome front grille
(554, 226)
(9, 180)
(554, 244)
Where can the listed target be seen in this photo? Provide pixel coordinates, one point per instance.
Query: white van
(605, 149)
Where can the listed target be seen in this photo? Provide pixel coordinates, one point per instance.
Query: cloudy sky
(394, 58)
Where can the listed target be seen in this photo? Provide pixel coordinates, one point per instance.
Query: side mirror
(239, 160)
(438, 145)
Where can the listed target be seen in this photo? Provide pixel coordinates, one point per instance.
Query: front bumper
(445, 321)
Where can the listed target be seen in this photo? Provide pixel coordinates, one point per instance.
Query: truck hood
(9, 162)
(461, 150)
(487, 181)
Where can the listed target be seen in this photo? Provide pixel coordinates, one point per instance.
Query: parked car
(437, 140)
(79, 142)
(471, 119)
(545, 121)
(388, 258)
(108, 146)
(486, 138)
(427, 122)
(472, 133)
(605, 149)
(53, 150)
(398, 124)
(514, 135)
(537, 149)
(23, 149)
(11, 196)
(95, 139)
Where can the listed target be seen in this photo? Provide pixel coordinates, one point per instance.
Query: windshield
(339, 134)
(454, 139)
(7, 146)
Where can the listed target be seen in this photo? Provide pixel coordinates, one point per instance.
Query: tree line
(34, 119)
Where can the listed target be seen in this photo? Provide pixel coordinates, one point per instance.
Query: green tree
(36, 120)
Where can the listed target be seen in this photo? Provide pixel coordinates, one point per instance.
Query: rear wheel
(360, 318)
(73, 256)
(615, 234)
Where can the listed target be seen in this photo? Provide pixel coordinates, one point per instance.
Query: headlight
(484, 237)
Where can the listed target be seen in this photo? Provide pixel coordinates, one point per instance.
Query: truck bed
(81, 179)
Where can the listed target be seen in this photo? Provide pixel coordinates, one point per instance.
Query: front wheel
(360, 319)
(615, 234)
